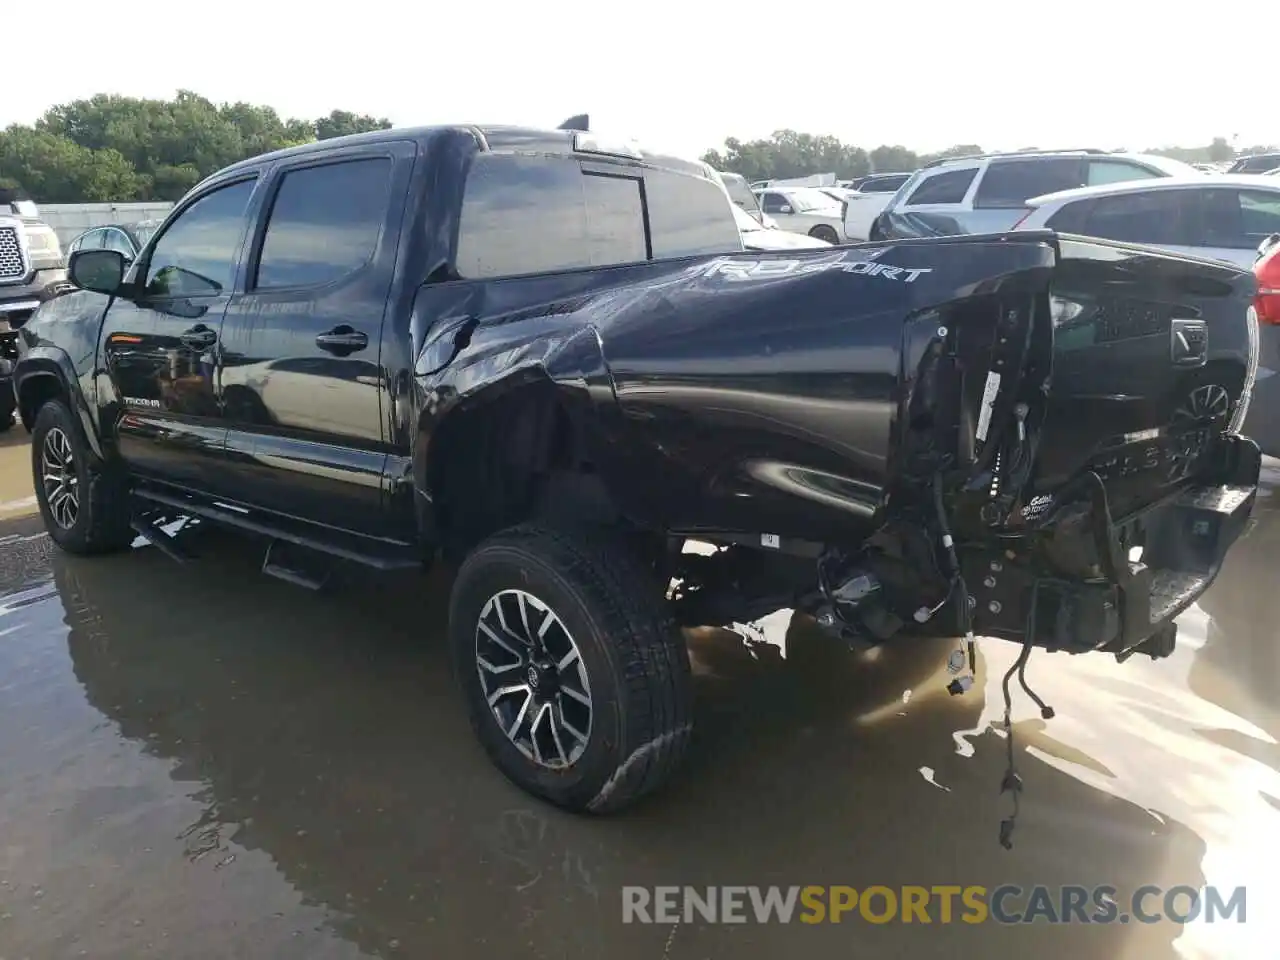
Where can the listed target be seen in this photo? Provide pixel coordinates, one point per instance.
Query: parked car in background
(1258, 163)
(756, 236)
(803, 210)
(127, 238)
(988, 193)
(1223, 217)
(32, 267)
(869, 198)
(1267, 269)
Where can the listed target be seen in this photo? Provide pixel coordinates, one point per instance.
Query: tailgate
(1111, 508)
(861, 210)
(1154, 355)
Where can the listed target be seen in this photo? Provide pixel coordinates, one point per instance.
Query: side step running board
(378, 561)
(284, 564)
(161, 539)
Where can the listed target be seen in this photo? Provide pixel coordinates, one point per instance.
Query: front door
(161, 348)
(303, 388)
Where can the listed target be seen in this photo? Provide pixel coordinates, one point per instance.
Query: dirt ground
(200, 762)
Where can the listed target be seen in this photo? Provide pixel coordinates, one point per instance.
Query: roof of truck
(495, 138)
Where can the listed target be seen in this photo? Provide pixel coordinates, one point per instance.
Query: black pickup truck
(546, 358)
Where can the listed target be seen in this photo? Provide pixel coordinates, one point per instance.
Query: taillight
(1267, 270)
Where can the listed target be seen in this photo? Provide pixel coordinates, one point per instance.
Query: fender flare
(575, 369)
(50, 362)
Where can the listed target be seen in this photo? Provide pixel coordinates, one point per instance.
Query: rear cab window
(883, 184)
(1008, 184)
(543, 214)
(943, 187)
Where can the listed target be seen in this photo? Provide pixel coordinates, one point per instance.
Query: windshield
(744, 221)
(739, 192)
(808, 198)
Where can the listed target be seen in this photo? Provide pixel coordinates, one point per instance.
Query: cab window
(197, 253)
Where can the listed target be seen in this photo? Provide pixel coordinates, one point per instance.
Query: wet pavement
(197, 761)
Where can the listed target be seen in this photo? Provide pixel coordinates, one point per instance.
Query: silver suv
(987, 193)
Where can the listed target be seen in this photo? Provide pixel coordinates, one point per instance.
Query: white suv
(988, 193)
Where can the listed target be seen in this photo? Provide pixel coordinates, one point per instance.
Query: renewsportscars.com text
(1006, 904)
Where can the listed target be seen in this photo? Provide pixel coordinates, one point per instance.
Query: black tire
(635, 661)
(101, 519)
(826, 233)
(6, 414)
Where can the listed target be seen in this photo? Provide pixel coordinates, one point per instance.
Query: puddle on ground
(199, 761)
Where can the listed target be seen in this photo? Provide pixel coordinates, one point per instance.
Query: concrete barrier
(69, 220)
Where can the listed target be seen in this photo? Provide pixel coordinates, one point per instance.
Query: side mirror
(101, 271)
(785, 208)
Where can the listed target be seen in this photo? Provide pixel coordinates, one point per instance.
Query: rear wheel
(84, 503)
(823, 232)
(576, 679)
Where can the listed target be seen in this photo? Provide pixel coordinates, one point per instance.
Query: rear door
(303, 387)
(161, 349)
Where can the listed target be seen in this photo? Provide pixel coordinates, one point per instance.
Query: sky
(682, 76)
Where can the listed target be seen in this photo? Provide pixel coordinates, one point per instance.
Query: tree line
(791, 154)
(114, 148)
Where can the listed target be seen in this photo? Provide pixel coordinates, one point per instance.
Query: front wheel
(576, 678)
(84, 503)
(825, 233)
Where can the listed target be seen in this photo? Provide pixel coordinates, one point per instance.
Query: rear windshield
(536, 214)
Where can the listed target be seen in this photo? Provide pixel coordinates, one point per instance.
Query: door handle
(198, 337)
(342, 340)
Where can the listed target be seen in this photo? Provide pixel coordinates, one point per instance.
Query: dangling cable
(968, 653)
(1012, 783)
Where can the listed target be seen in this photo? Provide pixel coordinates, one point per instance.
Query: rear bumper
(1132, 596)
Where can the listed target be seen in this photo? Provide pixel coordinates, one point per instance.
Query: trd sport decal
(862, 264)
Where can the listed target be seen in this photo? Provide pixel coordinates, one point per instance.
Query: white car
(866, 202)
(804, 210)
(758, 237)
(1221, 217)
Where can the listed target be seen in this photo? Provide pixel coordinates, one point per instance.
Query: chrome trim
(1251, 372)
(17, 306)
(24, 254)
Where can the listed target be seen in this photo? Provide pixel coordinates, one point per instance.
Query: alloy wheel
(533, 678)
(1208, 401)
(58, 478)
